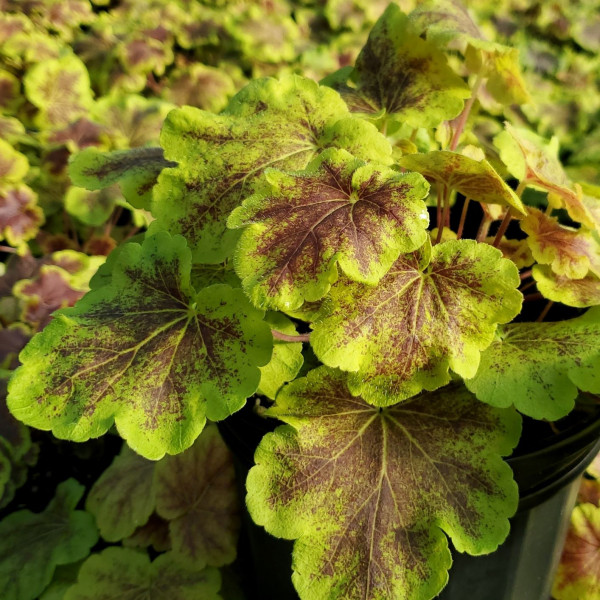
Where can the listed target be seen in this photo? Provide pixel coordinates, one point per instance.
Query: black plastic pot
(546, 471)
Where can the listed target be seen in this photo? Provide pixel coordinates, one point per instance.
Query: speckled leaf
(124, 496)
(578, 575)
(13, 164)
(92, 208)
(474, 179)
(572, 292)
(60, 89)
(155, 533)
(145, 352)
(33, 544)
(569, 252)
(516, 250)
(399, 73)
(129, 575)
(539, 367)
(196, 492)
(136, 170)
(20, 216)
(370, 493)
(287, 357)
(270, 123)
(436, 309)
(14, 436)
(340, 211)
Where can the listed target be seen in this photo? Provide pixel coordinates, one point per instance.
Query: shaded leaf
(196, 492)
(370, 493)
(146, 352)
(589, 492)
(572, 292)
(155, 533)
(20, 216)
(539, 367)
(436, 309)
(128, 575)
(270, 123)
(124, 496)
(340, 211)
(91, 208)
(32, 545)
(516, 250)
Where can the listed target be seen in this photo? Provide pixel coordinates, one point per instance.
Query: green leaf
(129, 575)
(436, 309)
(370, 493)
(145, 352)
(339, 211)
(473, 178)
(539, 367)
(572, 292)
(196, 492)
(136, 170)
(124, 496)
(91, 208)
(287, 359)
(270, 123)
(60, 89)
(399, 73)
(13, 164)
(578, 575)
(33, 545)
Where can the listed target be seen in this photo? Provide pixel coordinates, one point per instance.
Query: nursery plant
(396, 281)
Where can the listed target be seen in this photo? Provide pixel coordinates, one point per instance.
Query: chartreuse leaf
(572, 292)
(436, 309)
(539, 367)
(129, 575)
(287, 357)
(270, 123)
(146, 352)
(60, 89)
(13, 164)
(124, 496)
(136, 170)
(569, 252)
(369, 494)
(399, 73)
(473, 178)
(578, 575)
(92, 208)
(196, 492)
(32, 545)
(340, 211)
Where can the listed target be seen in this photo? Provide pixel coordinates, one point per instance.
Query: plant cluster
(369, 260)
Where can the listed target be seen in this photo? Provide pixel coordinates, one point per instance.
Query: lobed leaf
(369, 493)
(20, 216)
(580, 293)
(13, 164)
(339, 211)
(146, 352)
(436, 309)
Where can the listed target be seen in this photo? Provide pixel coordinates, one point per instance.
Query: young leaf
(399, 73)
(196, 492)
(580, 293)
(20, 216)
(569, 252)
(369, 493)
(338, 211)
(32, 545)
(136, 170)
(146, 352)
(539, 367)
(578, 575)
(436, 309)
(270, 123)
(124, 496)
(128, 575)
(474, 179)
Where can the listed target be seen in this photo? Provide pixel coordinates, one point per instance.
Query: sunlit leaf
(33, 544)
(371, 494)
(196, 492)
(578, 575)
(13, 164)
(127, 574)
(435, 310)
(340, 211)
(539, 367)
(144, 351)
(92, 208)
(572, 292)
(516, 250)
(270, 123)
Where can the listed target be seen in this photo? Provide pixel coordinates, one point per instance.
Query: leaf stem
(8, 249)
(526, 274)
(466, 110)
(503, 227)
(463, 218)
(284, 337)
(484, 228)
(532, 297)
(528, 285)
(446, 214)
(545, 311)
(438, 216)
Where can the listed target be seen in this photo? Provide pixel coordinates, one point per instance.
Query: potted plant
(357, 258)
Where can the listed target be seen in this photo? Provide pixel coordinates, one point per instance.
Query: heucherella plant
(324, 251)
